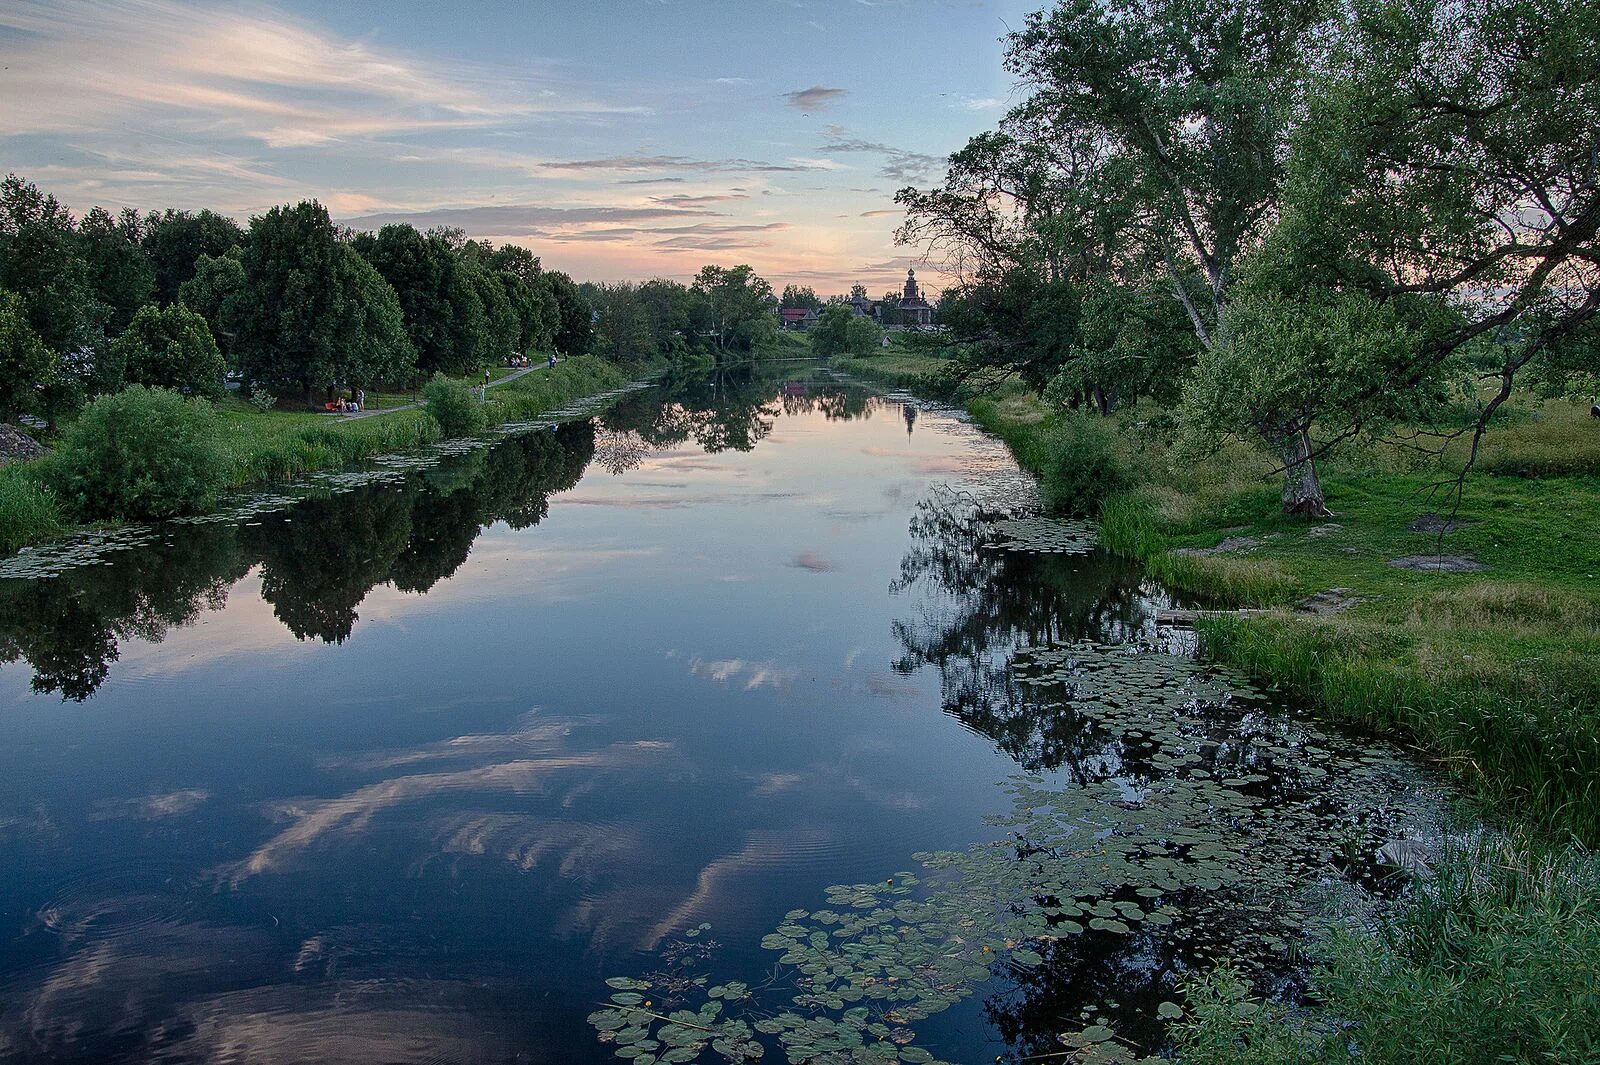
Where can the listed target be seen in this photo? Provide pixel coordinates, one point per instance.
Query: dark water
(403, 772)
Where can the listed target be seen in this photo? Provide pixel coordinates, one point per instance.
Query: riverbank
(1470, 635)
(1489, 670)
(271, 447)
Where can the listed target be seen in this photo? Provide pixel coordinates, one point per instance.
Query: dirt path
(507, 379)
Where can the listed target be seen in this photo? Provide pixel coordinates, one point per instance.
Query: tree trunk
(1302, 489)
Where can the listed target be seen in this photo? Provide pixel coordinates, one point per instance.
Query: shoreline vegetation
(164, 358)
(265, 448)
(1489, 673)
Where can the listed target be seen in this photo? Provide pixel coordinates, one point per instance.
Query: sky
(618, 139)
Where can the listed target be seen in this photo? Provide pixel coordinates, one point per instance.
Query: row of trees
(726, 313)
(294, 303)
(1298, 220)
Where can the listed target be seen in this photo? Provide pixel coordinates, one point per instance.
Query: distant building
(797, 319)
(913, 310)
(863, 307)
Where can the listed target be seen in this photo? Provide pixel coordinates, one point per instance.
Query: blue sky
(616, 138)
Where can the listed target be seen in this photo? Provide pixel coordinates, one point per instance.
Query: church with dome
(914, 311)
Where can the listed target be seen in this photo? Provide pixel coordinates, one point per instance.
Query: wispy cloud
(815, 98)
(682, 162)
(898, 163)
(274, 80)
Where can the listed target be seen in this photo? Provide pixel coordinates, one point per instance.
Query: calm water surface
(402, 773)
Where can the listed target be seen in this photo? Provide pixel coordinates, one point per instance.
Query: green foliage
(735, 307)
(29, 510)
(1494, 956)
(214, 293)
(831, 334)
(261, 399)
(800, 296)
(141, 453)
(176, 241)
(1490, 959)
(440, 296)
(1079, 464)
(574, 332)
(40, 262)
(454, 406)
(120, 274)
(172, 348)
(317, 314)
(1224, 1024)
(24, 358)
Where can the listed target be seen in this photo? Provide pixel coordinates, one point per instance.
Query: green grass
(1493, 674)
(1492, 960)
(277, 446)
(29, 510)
(898, 366)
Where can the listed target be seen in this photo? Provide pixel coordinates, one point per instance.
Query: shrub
(454, 407)
(142, 453)
(170, 347)
(1079, 464)
(262, 399)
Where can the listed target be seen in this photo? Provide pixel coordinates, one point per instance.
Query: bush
(142, 453)
(1079, 464)
(170, 347)
(454, 407)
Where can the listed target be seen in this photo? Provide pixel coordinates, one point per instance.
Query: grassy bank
(1493, 672)
(270, 447)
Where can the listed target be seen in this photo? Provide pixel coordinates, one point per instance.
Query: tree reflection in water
(316, 567)
(977, 606)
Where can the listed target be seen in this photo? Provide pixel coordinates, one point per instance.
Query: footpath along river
(762, 697)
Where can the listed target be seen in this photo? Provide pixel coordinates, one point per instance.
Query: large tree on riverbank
(318, 314)
(1443, 193)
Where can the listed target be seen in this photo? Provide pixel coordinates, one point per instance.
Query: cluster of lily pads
(1211, 827)
(63, 556)
(1045, 535)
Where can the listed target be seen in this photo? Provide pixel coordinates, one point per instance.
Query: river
(405, 767)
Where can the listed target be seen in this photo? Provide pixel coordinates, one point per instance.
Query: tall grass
(1528, 738)
(29, 509)
(1491, 960)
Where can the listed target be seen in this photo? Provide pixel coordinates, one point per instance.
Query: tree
(575, 329)
(439, 293)
(841, 331)
(174, 241)
(1285, 361)
(170, 347)
(531, 300)
(736, 305)
(317, 314)
(40, 262)
(120, 274)
(1188, 106)
(214, 293)
(501, 330)
(622, 324)
(25, 360)
(1443, 183)
(800, 296)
